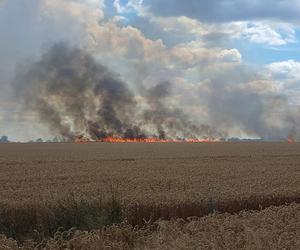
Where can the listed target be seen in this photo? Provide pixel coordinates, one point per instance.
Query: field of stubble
(141, 188)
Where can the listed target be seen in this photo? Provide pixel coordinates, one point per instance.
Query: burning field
(68, 93)
(81, 100)
(132, 169)
(78, 99)
(138, 124)
(145, 140)
(142, 166)
(157, 195)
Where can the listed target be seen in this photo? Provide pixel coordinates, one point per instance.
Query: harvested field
(138, 182)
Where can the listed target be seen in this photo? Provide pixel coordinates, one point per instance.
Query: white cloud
(180, 24)
(195, 53)
(132, 5)
(286, 75)
(119, 19)
(264, 33)
(272, 33)
(284, 70)
(128, 42)
(230, 55)
(119, 8)
(261, 32)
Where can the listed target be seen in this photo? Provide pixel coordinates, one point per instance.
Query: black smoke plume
(174, 120)
(77, 97)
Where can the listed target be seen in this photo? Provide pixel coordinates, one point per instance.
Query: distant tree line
(4, 139)
(55, 139)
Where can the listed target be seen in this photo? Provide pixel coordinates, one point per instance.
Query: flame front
(140, 140)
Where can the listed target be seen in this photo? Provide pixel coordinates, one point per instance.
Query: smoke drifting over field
(241, 98)
(75, 96)
(113, 75)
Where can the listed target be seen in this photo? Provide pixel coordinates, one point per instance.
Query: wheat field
(149, 185)
(272, 228)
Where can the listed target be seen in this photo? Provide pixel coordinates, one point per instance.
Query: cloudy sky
(233, 64)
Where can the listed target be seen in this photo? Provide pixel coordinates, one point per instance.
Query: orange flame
(148, 140)
(143, 140)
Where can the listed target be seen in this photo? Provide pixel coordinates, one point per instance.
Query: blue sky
(260, 53)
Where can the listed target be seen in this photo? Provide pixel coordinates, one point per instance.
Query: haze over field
(136, 68)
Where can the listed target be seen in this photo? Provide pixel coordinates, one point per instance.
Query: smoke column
(77, 97)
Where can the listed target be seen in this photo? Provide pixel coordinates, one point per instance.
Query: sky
(233, 64)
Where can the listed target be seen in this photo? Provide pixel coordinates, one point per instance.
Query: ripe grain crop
(149, 173)
(46, 186)
(272, 228)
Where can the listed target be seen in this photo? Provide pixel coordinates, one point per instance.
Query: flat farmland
(149, 172)
(149, 181)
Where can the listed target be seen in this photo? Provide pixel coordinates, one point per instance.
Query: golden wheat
(149, 173)
(272, 228)
(152, 182)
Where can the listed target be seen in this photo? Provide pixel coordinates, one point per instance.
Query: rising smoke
(77, 97)
(174, 119)
(74, 96)
(190, 88)
(240, 98)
